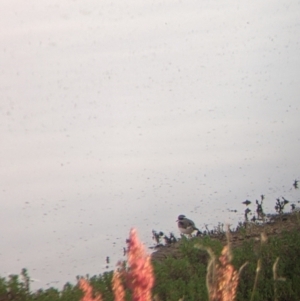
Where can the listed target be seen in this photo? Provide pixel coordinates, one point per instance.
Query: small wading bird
(185, 225)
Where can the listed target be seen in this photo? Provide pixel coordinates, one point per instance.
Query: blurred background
(116, 115)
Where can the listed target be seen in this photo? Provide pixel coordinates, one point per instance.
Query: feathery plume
(140, 275)
(227, 276)
(88, 291)
(117, 287)
(221, 278)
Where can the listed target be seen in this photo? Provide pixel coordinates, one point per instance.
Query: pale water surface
(120, 114)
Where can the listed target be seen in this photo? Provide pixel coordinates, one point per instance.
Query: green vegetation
(272, 271)
(185, 277)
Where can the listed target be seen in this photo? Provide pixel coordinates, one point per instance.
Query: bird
(185, 225)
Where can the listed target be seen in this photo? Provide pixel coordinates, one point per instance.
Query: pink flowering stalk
(88, 291)
(138, 276)
(117, 287)
(140, 273)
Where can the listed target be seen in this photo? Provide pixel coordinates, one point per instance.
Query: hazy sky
(128, 113)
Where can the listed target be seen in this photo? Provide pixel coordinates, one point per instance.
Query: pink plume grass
(88, 291)
(117, 287)
(140, 276)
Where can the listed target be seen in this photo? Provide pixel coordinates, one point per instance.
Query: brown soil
(275, 225)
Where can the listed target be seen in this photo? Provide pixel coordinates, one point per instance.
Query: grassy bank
(269, 253)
